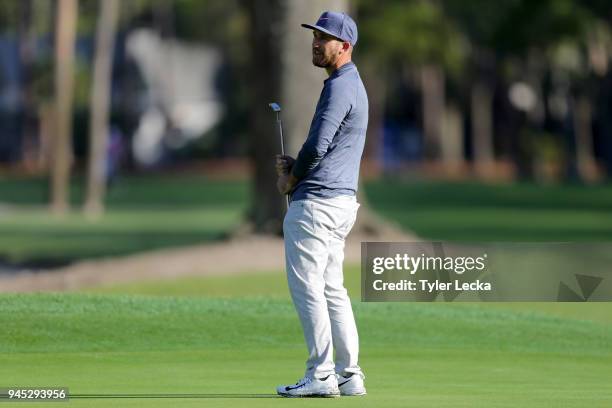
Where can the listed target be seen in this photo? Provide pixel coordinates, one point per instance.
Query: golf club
(276, 108)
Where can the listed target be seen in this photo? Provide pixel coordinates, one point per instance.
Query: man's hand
(285, 183)
(284, 164)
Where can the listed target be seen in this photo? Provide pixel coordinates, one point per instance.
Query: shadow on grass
(61, 247)
(145, 213)
(519, 233)
(394, 194)
(170, 396)
(176, 191)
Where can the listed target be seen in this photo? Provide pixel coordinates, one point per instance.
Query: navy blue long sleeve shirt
(328, 163)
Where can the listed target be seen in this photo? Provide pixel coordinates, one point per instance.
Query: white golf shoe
(311, 387)
(351, 385)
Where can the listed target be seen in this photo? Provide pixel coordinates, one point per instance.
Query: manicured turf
(171, 190)
(232, 339)
(415, 355)
(274, 285)
(143, 214)
(146, 213)
(507, 212)
(32, 236)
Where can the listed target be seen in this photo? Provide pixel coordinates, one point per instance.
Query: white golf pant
(315, 230)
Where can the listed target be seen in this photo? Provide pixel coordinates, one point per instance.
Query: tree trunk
(27, 54)
(267, 205)
(67, 11)
(46, 114)
(432, 87)
(100, 104)
(585, 159)
(374, 82)
(452, 140)
(482, 127)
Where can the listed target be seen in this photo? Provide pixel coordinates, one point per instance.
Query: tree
(585, 61)
(99, 108)
(265, 73)
(27, 54)
(518, 36)
(534, 31)
(67, 11)
(417, 37)
(479, 21)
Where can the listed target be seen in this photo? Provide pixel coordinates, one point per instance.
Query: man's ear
(346, 45)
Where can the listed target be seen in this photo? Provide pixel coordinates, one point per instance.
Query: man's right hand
(284, 164)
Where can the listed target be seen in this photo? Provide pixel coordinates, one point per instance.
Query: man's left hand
(285, 183)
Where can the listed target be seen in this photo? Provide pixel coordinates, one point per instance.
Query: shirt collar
(345, 68)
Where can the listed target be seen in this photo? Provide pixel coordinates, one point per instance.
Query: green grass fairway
(143, 214)
(274, 285)
(496, 212)
(414, 355)
(147, 213)
(233, 339)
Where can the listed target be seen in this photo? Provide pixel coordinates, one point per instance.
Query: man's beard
(319, 60)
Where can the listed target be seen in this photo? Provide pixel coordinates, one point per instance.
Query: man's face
(325, 49)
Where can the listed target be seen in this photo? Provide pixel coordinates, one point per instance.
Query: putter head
(275, 106)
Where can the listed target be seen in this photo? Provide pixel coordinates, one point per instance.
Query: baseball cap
(339, 25)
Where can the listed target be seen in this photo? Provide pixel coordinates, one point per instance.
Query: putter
(276, 108)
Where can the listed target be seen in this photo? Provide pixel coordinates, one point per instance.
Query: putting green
(233, 351)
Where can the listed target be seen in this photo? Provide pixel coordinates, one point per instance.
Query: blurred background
(137, 125)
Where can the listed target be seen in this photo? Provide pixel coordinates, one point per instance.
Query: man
(322, 184)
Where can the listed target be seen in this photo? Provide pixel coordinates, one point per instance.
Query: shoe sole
(356, 394)
(309, 395)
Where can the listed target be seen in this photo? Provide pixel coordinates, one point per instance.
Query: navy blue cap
(339, 25)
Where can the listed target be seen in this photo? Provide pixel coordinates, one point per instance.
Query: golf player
(322, 185)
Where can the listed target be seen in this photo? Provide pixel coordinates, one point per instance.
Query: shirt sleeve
(332, 108)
